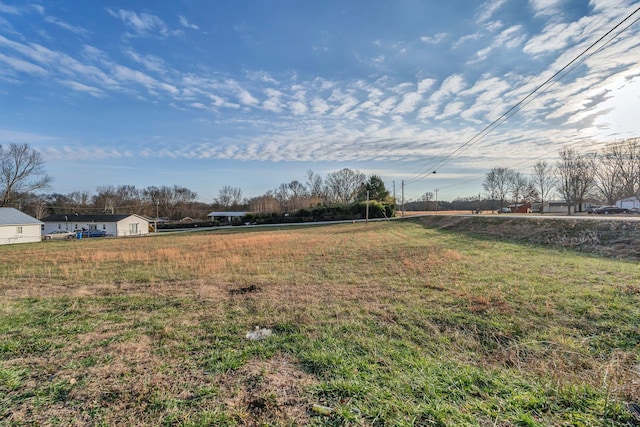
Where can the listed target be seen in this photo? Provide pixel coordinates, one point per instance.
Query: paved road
(614, 217)
(580, 217)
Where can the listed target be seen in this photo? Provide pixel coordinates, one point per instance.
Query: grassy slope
(389, 324)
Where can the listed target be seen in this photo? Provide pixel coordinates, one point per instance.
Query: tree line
(342, 187)
(22, 175)
(603, 177)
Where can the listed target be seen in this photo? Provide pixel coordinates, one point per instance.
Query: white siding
(629, 203)
(20, 234)
(109, 227)
(55, 226)
(133, 226)
(121, 228)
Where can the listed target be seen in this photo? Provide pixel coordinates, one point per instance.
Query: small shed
(557, 206)
(18, 227)
(113, 224)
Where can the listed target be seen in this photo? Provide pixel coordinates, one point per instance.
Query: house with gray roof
(120, 225)
(18, 227)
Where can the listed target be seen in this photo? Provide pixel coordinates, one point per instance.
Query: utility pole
(366, 221)
(403, 199)
(436, 200)
(395, 201)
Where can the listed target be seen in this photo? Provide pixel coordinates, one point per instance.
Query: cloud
(141, 24)
(298, 108)
(546, 7)
(9, 10)
(185, 23)
(510, 38)
(435, 39)
(555, 37)
(274, 102)
(74, 29)
(488, 9)
(150, 62)
(408, 103)
(23, 66)
(80, 87)
(451, 85)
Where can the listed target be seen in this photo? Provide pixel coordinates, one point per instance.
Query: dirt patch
(608, 238)
(267, 392)
(245, 290)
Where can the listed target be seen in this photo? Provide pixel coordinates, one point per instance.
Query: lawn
(384, 324)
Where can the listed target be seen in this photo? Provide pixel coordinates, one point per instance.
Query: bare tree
(81, 200)
(609, 182)
(543, 181)
(314, 185)
(266, 203)
(106, 199)
(618, 170)
(298, 195)
(518, 185)
(497, 182)
(342, 186)
(21, 171)
(228, 197)
(575, 172)
(426, 198)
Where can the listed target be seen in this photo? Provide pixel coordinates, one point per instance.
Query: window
(133, 228)
(19, 229)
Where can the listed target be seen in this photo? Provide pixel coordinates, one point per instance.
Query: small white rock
(258, 334)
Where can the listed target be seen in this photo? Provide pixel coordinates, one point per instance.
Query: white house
(115, 225)
(629, 203)
(18, 227)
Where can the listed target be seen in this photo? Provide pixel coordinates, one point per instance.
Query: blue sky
(253, 94)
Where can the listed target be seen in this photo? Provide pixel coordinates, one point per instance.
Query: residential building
(113, 224)
(18, 227)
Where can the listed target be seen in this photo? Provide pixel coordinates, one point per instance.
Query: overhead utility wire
(422, 171)
(526, 100)
(497, 122)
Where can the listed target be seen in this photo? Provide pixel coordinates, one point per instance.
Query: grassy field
(386, 324)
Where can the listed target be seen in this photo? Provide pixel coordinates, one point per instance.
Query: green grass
(389, 324)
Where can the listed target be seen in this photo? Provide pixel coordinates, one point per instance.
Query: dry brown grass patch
(268, 392)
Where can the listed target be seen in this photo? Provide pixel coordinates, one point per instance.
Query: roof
(87, 217)
(227, 214)
(12, 216)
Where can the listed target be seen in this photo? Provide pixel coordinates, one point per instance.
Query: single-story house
(629, 203)
(18, 227)
(226, 216)
(114, 224)
(557, 206)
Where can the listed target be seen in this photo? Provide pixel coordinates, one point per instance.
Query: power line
(570, 66)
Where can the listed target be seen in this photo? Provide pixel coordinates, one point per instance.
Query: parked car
(606, 210)
(504, 210)
(591, 209)
(93, 233)
(60, 234)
